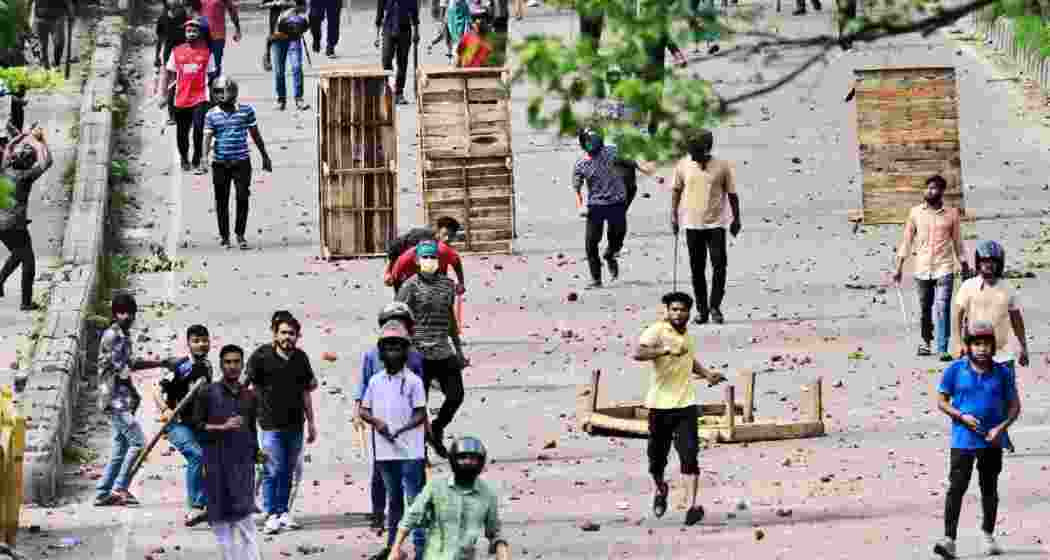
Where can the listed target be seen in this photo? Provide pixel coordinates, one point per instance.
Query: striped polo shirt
(231, 131)
(431, 303)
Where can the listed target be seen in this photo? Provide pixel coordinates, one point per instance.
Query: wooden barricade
(357, 161)
(466, 164)
(12, 456)
(907, 130)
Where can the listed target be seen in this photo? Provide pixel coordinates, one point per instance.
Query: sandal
(660, 500)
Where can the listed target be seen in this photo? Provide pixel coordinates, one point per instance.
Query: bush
(1031, 32)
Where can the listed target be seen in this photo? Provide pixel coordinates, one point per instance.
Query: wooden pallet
(357, 161)
(466, 168)
(907, 131)
(725, 422)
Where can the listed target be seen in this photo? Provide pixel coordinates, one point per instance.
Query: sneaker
(381, 555)
(287, 522)
(195, 517)
(317, 45)
(716, 317)
(225, 242)
(702, 318)
(31, 306)
(594, 284)
(946, 357)
(799, 12)
(273, 525)
(533, 3)
(990, 547)
(281, 104)
(378, 521)
(660, 500)
(126, 498)
(400, 100)
(330, 52)
(242, 242)
(171, 121)
(186, 166)
(924, 350)
(817, 6)
(301, 104)
(694, 516)
(106, 500)
(945, 548)
(200, 170)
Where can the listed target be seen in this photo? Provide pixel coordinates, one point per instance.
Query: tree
(566, 75)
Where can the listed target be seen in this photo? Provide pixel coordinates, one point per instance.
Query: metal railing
(12, 454)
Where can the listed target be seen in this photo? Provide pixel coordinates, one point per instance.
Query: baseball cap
(427, 249)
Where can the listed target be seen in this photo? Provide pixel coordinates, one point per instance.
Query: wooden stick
(596, 377)
(156, 437)
(817, 397)
(747, 380)
(730, 411)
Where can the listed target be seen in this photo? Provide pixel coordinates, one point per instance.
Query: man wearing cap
(190, 64)
(395, 405)
(431, 297)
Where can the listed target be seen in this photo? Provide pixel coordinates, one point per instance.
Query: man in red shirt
(215, 11)
(190, 63)
(406, 266)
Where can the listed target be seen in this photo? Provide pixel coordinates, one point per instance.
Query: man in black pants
(322, 10)
(170, 34)
(673, 414)
(704, 195)
(399, 21)
(981, 398)
(431, 297)
(22, 163)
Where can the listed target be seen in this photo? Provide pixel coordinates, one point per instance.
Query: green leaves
(7, 193)
(14, 18)
(25, 78)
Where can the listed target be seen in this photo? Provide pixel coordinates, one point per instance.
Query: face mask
(428, 266)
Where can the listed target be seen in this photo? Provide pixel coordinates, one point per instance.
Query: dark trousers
(238, 172)
(989, 464)
(935, 309)
(187, 118)
(47, 28)
(449, 376)
(399, 45)
(591, 27)
(800, 5)
(677, 425)
(629, 174)
(17, 118)
(597, 216)
(21, 246)
(700, 242)
(654, 71)
(325, 10)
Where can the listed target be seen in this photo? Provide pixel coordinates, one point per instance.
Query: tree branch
(724, 104)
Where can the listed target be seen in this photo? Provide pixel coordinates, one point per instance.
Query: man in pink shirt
(215, 11)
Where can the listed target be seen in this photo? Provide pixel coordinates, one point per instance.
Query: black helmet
(980, 329)
(591, 141)
(124, 302)
(225, 89)
(463, 447)
(24, 157)
(989, 249)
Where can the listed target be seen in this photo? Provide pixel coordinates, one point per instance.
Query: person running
(119, 399)
(399, 22)
(932, 234)
(981, 397)
(326, 11)
(455, 512)
(170, 34)
(431, 297)
(281, 374)
(215, 11)
(704, 201)
(986, 297)
(673, 413)
(190, 63)
(228, 125)
(52, 17)
(447, 230)
(24, 160)
(606, 202)
(286, 42)
(225, 412)
(371, 364)
(183, 434)
(395, 405)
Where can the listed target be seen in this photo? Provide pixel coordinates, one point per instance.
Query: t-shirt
(393, 399)
(431, 303)
(406, 266)
(17, 216)
(604, 185)
(281, 384)
(231, 131)
(371, 365)
(215, 11)
(985, 396)
(177, 382)
(984, 302)
(705, 194)
(191, 63)
(671, 383)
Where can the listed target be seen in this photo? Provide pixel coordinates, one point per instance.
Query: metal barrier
(12, 454)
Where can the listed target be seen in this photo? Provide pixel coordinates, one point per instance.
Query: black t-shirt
(176, 384)
(280, 384)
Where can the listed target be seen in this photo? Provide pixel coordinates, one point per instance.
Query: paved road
(884, 461)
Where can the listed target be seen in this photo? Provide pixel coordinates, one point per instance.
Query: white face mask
(428, 266)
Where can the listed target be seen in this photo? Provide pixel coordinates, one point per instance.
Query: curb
(52, 385)
(1000, 36)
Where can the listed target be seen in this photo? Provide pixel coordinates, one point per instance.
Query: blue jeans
(217, 48)
(128, 440)
(282, 448)
(288, 50)
(185, 439)
(935, 299)
(403, 480)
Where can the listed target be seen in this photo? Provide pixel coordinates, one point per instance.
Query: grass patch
(113, 271)
(119, 171)
(1037, 253)
(1031, 32)
(78, 455)
(120, 109)
(69, 176)
(74, 128)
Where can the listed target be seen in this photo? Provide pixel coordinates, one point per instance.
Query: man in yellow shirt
(986, 297)
(673, 413)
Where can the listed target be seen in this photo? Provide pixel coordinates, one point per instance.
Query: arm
(494, 531)
(577, 185)
(678, 185)
(712, 378)
(258, 139)
(729, 185)
(419, 415)
(308, 409)
(905, 247)
(957, 245)
(944, 404)
(413, 519)
(162, 38)
(651, 347)
(453, 332)
(380, 10)
(1017, 322)
(379, 425)
(458, 267)
(140, 364)
(231, 8)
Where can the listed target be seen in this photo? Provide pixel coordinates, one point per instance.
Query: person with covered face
(24, 160)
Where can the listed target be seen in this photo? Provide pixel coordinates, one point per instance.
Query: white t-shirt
(392, 398)
(984, 302)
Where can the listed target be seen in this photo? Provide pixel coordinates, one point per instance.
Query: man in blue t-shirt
(228, 125)
(981, 398)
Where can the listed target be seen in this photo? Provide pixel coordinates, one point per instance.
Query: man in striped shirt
(431, 297)
(228, 125)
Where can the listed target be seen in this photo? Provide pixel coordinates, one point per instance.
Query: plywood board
(907, 130)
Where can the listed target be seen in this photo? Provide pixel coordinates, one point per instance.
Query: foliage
(7, 193)
(20, 78)
(118, 170)
(14, 19)
(1031, 32)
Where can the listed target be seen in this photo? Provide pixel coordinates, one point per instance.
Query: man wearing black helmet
(23, 161)
(986, 297)
(981, 398)
(457, 511)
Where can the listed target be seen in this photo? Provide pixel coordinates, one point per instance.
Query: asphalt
(872, 488)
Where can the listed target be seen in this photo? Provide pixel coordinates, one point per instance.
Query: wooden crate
(466, 167)
(357, 161)
(907, 130)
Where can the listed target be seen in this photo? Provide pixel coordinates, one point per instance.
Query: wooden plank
(730, 417)
(353, 71)
(768, 431)
(747, 381)
(816, 395)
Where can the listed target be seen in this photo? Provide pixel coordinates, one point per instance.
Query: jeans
(935, 299)
(128, 440)
(449, 376)
(403, 480)
(185, 439)
(226, 534)
(680, 426)
(185, 119)
(616, 215)
(378, 489)
(989, 464)
(700, 242)
(239, 173)
(217, 48)
(400, 45)
(321, 10)
(282, 449)
(47, 28)
(288, 50)
(20, 244)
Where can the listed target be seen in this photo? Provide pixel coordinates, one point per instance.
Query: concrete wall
(1031, 64)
